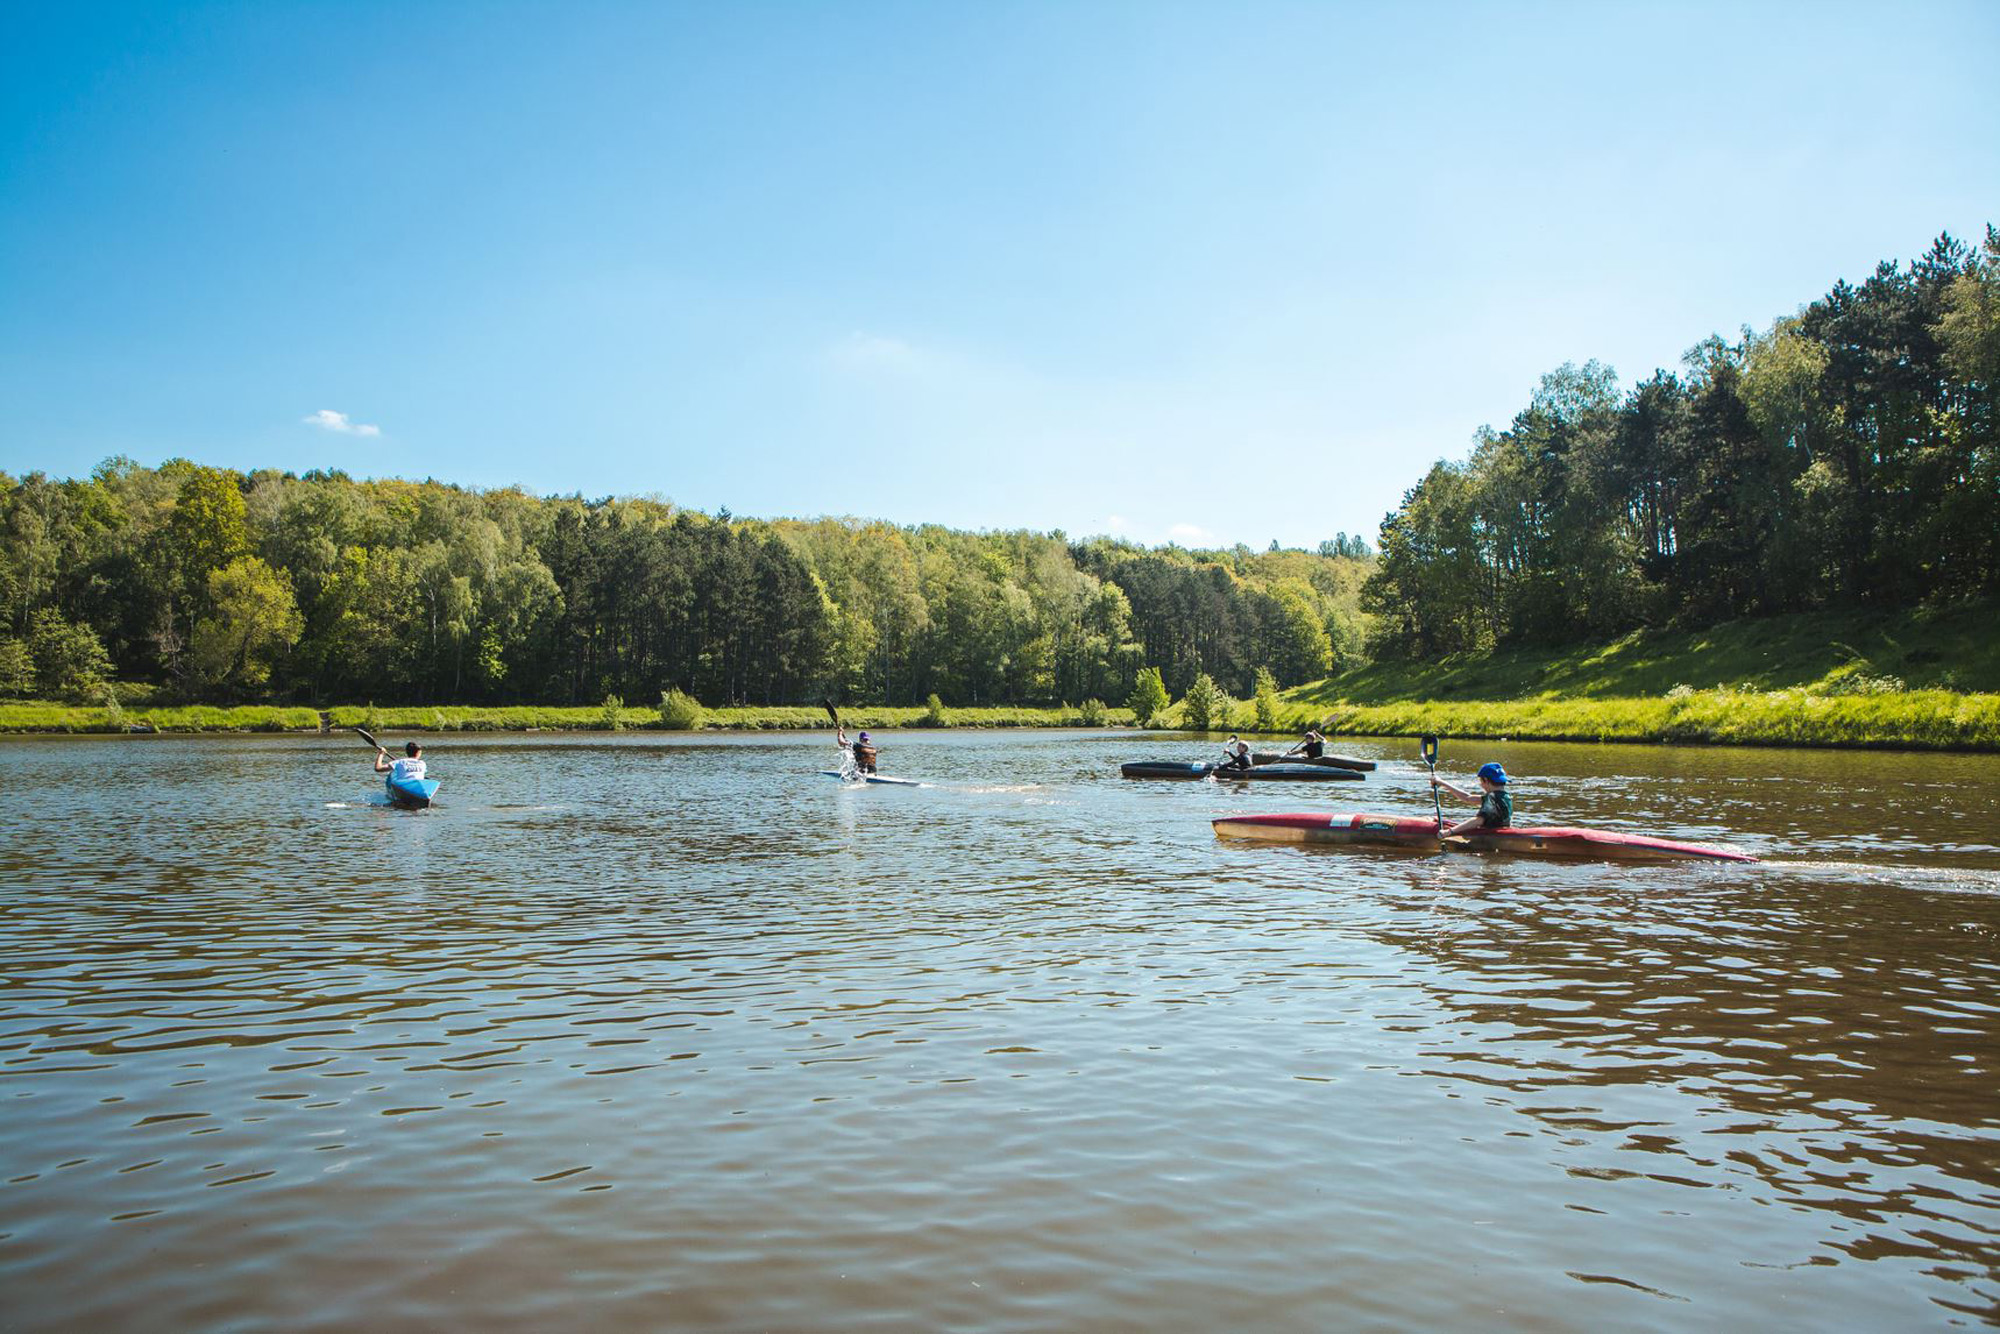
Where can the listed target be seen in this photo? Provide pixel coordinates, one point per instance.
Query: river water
(644, 1032)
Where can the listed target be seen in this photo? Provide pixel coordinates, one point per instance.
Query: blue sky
(1211, 273)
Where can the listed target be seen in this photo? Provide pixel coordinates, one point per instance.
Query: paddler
(1236, 755)
(406, 770)
(862, 750)
(1312, 747)
(1496, 808)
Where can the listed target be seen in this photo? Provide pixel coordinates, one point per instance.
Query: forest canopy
(1846, 455)
(324, 588)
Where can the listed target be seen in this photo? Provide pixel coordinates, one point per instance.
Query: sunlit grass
(1844, 708)
(1909, 719)
(1951, 648)
(39, 717)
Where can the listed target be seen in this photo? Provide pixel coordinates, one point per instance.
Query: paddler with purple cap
(862, 749)
(1496, 808)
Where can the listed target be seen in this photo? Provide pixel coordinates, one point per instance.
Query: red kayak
(1415, 832)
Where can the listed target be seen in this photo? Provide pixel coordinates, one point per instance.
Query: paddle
(847, 766)
(1324, 723)
(1429, 748)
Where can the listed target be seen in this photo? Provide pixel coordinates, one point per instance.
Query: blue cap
(1493, 773)
(864, 737)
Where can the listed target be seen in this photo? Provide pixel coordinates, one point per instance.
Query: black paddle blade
(364, 735)
(831, 712)
(1429, 745)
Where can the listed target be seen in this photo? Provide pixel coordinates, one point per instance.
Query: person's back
(407, 768)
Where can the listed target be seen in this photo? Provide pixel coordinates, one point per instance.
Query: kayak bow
(1164, 769)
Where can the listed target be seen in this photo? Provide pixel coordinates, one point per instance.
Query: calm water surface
(646, 1032)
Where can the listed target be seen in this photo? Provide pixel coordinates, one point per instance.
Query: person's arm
(1456, 791)
(1463, 827)
(840, 736)
(381, 761)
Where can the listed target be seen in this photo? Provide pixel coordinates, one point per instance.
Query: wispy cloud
(329, 420)
(1190, 535)
(1115, 523)
(865, 351)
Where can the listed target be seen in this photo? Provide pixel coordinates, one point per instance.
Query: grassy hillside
(1926, 680)
(1955, 648)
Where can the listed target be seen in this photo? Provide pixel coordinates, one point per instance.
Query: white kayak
(870, 778)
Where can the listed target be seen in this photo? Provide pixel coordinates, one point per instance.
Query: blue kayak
(413, 794)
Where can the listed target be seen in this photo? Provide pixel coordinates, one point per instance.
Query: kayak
(1330, 761)
(872, 778)
(412, 794)
(1421, 834)
(1297, 773)
(1165, 769)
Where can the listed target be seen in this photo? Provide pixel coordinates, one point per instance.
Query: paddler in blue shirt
(1496, 808)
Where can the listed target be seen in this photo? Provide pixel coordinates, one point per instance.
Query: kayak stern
(412, 795)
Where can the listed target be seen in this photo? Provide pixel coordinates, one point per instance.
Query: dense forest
(1845, 456)
(208, 584)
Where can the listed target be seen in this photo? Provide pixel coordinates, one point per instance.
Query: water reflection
(1813, 1051)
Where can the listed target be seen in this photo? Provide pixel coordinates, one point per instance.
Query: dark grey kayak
(1291, 772)
(1328, 761)
(1165, 769)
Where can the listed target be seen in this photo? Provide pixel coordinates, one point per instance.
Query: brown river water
(647, 1032)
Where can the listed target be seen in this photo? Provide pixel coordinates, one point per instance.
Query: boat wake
(1931, 879)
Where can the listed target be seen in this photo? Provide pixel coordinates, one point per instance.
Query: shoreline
(1920, 720)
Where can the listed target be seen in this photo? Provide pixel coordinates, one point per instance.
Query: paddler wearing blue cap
(1496, 808)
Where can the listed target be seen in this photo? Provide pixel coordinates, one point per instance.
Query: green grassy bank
(1922, 680)
(33, 716)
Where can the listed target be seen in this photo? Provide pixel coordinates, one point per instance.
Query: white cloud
(861, 350)
(329, 420)
(1115, 523)
(1190, 535)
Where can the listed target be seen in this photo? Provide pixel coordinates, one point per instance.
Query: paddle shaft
(1429, 746)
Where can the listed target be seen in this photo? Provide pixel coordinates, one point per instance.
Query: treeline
(1846, 455)
(215, 585)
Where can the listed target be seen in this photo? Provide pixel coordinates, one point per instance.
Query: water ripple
(672, 1031)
